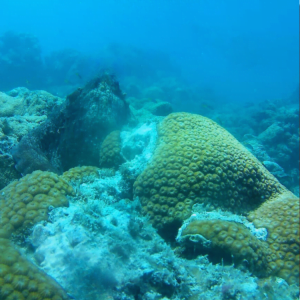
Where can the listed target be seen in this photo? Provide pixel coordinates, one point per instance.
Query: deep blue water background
(242, 50)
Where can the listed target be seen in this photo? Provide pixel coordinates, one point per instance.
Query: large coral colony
(200, 184)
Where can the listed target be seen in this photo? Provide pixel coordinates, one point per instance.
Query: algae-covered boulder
(35, 103)
(8, 172)
(73, 133)
(160, 108)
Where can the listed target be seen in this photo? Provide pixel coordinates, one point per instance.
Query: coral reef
(274, 254)
(72, 135)
(270, 130)
(100, 246)
(108, 250)
(110, 151)
(21, 110)
(26, 202)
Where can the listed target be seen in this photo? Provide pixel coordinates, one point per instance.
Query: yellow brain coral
(21, 280)
(278, 255)
(197, 161)
(110, 156)
(81, 174)
(25, 202)
(233, 239)
(280, 217)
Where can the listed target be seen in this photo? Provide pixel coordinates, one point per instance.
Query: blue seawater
(71, 72)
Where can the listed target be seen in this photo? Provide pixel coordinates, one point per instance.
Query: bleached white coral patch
(92, 248)
(109, 188)
(138, 146)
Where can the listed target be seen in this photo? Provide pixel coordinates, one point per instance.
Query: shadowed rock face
(74, 131)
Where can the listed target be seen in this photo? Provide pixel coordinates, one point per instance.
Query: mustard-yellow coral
(81, 174)
(110, 156)
(197, 161)
(280, 217)
(25, 202)
(231, 238)
(21, 280)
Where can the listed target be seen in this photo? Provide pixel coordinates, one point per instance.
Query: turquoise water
(92, 203)
(242, 51)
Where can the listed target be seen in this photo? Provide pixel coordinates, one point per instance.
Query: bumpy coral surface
(81, 174)
(20, 280)
(232, 238)
(198, 161)
(26, 202)
(278, 255)
(110, 156)
(281, 218)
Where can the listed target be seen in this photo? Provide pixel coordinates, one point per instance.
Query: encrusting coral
(198, 162)
(81, 174)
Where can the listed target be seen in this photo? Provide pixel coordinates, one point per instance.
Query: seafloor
(101, 245)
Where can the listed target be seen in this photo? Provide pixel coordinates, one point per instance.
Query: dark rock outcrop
(73, 133)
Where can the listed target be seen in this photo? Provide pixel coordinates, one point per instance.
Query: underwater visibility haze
(149, 150)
